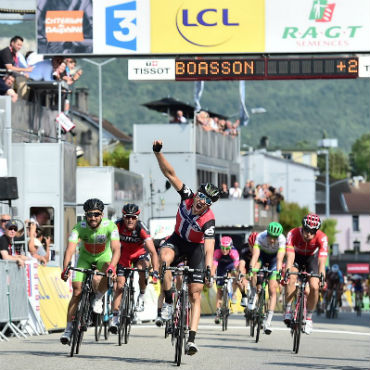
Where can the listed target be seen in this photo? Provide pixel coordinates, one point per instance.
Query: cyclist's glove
(111, 269)
(155, 277)
(65, 274)
(250, 271)
(157, 147)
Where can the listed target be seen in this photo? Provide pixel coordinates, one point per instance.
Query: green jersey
(94, 241)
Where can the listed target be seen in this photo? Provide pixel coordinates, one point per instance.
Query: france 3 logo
(121, 25)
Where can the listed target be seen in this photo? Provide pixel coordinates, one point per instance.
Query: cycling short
(268, 259)
(85, 260)
(247, 258)
(129, 259)
(222, 269)
(193, 252)
(331, 284)
(309, 264)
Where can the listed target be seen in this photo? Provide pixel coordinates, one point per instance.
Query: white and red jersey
(190, 227)
(295, 243)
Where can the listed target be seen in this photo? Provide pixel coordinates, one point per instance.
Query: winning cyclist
(224, 259)
(99, 245)
(269, 249)
(307, 247)
(334, 281)
(136, 245)
(194, 237)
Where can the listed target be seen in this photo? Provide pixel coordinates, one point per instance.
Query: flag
(198, 91)
(244, 116)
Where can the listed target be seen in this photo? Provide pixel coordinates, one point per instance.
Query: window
(355, 223)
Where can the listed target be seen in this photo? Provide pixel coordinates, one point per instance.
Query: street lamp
(327, 143)
(100, 65)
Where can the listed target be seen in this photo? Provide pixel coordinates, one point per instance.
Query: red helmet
(311, 222)
(252, 238)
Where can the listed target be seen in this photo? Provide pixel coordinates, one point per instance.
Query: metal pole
(327, 185)
(100, 65)
(59, 110)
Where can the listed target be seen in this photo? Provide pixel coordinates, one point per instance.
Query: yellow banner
(54, 298)
(207, 26)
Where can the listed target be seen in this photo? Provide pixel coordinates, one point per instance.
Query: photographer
(38, 244)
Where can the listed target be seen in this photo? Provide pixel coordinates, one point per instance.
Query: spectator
(38, 245)
(235, 191)
(9, 59)
(3, 220)
(248, 190)
(6, 87)
(224, 191)
(41, 216)
(179, 118)
(6, 242)
(32, 58)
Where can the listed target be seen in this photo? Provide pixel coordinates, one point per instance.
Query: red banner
(357, 268)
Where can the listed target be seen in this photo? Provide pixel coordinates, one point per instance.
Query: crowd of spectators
(215, 124)
(19, 243)
(264, 194)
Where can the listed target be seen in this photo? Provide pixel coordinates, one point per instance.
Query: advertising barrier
(178, 27)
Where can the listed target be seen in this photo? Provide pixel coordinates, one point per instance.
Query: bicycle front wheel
(224, 309)
(180, 335)
(124, 316)
(260, 313)
(298, 324)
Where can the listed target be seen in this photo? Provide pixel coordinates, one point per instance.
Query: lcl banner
(178, 27)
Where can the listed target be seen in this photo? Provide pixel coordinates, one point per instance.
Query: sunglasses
(4, 220)
(309, 231)
(225, 248)
(93, 214)
(13, 229)
(132, 217)
(205, 198)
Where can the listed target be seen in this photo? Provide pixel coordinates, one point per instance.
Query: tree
(360, 156)
(291, 215)
(119, 157)
(338, 164)
(328, 227)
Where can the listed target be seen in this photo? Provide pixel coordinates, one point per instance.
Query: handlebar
(85, 271)
(300, 274)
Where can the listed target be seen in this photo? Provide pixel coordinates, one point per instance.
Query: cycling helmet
(226, 242)
(252, 238)
(335, 268)
(131, 209)
(311, 222)
(274, 229)
(92, 204)
(210, 190)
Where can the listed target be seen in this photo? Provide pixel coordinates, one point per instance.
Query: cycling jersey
(335, 277)
(94, 241)
(94, 245)
(132, 242)
(262, 242)
(295, 243)
(222, 259)
(193, 228)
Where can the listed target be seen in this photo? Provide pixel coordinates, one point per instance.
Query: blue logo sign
(121, 27)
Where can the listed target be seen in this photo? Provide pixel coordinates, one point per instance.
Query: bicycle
(358, 303)
(168, 330)
(181, 315)
(332, 309)
(81, 319)
(320, 307)
(258, 315)
(127, 307)
(227, 291)
(104, 319)
(300, 311)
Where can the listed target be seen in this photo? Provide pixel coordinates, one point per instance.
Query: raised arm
(166, 168)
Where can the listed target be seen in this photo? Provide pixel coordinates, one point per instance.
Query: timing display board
(265, 68)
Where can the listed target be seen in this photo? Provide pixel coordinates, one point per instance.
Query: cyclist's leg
(312, 266)
(100, 283)
(243, 282)
(142, 263)
(291, 288)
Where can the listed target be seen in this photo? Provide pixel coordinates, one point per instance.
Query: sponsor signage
(357, 268)
(151, 69)
(364, 66)
(193, 27)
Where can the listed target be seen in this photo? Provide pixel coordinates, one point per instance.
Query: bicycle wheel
(98, 323)
(260, 313)
(124, 314)
(180, 338)
(298, 324)
(224, 309)
(77, 323)
(358, 304)
(252, 322)
(108, 315)
(85, 321)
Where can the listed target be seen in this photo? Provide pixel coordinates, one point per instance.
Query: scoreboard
(265, 68)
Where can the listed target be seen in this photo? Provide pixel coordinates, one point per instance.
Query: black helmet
(210, 190)
(92, 204)
(131, 209)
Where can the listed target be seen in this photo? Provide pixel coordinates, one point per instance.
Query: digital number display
(265, 68)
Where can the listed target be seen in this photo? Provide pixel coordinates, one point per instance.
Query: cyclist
(357, 286)
(334, 280)
(194, 237)
(269, 249)
(99, 245)
(224, 259)
(307, 247)
(136, 246)
(245, 257)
